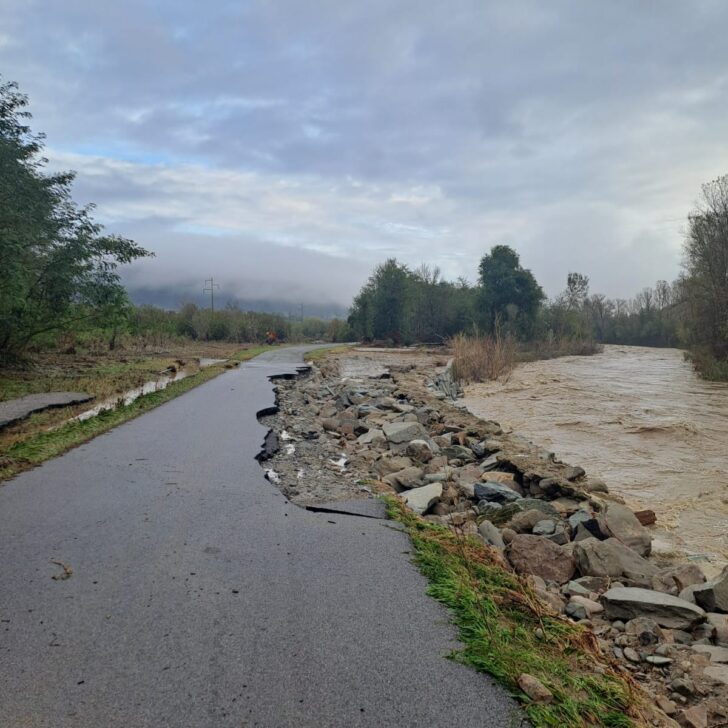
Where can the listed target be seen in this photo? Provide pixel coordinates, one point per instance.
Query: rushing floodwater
(638, 418)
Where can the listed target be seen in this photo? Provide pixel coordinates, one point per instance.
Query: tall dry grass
(482, 358)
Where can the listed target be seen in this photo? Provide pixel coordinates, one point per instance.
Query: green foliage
(57, 270)
(706, 261)
(403, 306)
(506, 631)
(509, 294)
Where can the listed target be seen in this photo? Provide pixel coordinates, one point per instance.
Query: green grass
(253, 351)
(316, 354)
(41, 446)
(506, 631)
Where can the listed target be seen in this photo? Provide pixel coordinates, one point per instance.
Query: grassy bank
(37, 439)
(506, 631)
(317, 354)
(707, 366)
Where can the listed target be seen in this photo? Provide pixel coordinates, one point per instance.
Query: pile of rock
(588, 555)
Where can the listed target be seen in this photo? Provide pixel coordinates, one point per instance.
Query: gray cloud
(314, 139)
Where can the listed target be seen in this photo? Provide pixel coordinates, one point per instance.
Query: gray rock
(576, 611)
(387, 465)
(458, 452)
(490, 463)
(590, 605)
(574, 472)
(665, 609)
(718, 673)
(678, 578)
(536, 555)
(716, 654)
(683, 686)
(495, 492)
(525, 521)
(579, 517)
(420, 499)
(644, 629)
(658, 660)
(402, 432)
(371, 436)
(593, 485)
(632, 655)
(688, 593)
(619, 521)
(491, 534)
(408, 478)
(439, 477)
(611, 558)
(719, 622)
(573, 587)
(560, 535)
(713, 595)
(544, 528)
(421, 450)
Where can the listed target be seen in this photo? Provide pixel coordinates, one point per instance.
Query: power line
(210, 287)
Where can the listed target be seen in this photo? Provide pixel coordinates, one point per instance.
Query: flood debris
(588, 557)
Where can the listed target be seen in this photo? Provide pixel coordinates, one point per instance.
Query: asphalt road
(201, 597)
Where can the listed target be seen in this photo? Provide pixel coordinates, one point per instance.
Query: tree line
(402, 305)
(59, 280)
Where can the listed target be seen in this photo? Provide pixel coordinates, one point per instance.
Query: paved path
(13, 410)
(201, 597)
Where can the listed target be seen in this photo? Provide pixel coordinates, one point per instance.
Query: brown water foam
(640, 419)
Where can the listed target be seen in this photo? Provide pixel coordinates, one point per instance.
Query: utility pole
(210, 287)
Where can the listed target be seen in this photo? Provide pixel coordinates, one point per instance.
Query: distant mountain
(173, 298)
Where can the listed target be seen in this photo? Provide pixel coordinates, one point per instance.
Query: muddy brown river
(641, 420)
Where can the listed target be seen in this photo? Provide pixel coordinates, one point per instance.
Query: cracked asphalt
(200, 596)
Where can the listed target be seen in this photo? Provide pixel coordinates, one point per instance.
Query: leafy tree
(58, 272)
(508, 292)
(706, 264)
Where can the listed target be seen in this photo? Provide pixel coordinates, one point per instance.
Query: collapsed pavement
(587, 555)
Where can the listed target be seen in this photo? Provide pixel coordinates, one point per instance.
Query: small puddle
(156, 385)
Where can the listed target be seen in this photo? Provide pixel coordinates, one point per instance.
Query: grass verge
(506, 631)
(40, 446)
(317, 354)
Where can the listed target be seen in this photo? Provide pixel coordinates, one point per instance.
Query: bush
(482, 358)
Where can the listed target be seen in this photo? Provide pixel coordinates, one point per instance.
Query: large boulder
(536, 555)
(676, 578)
(713, 595)
(404, 479)
(619, 521)
(668, 611)
(421, 499)
(495, 493)
(525, 521)
(386, 464)
(612, 558)
(403, 432)
(491, 534)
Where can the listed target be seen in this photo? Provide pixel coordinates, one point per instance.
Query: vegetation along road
(154, 577)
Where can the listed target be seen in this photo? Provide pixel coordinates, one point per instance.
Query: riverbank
(367, 423)
(121, 386)
(641, 420)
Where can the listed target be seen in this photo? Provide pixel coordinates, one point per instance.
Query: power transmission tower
(210, 287)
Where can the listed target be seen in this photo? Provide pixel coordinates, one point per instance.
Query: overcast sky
(286, 147)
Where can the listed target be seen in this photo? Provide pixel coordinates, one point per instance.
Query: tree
(706, 265)
(577, 290)
(58, 272)
(508, 292)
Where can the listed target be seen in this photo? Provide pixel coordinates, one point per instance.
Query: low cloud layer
(287, 147)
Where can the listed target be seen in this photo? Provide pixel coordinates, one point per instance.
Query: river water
(641, 420)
